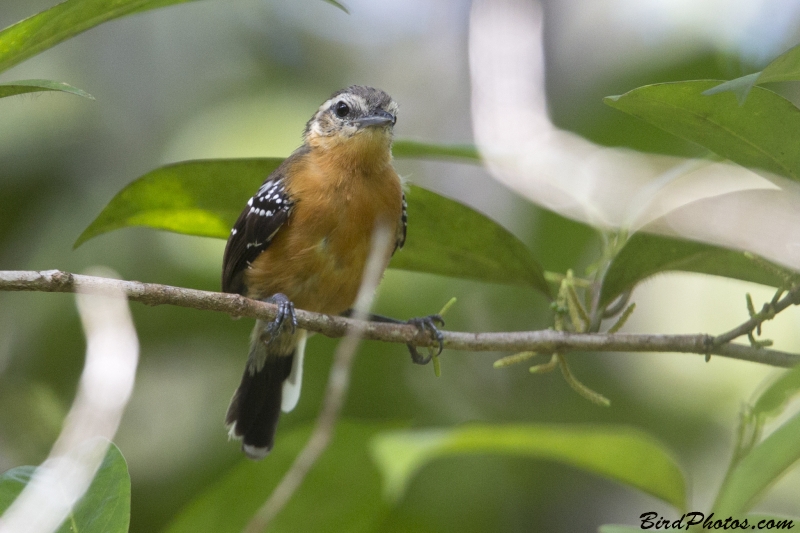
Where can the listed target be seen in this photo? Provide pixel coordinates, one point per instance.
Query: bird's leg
(285, 317)
(430, 323)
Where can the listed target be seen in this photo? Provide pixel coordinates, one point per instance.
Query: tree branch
(545, 341)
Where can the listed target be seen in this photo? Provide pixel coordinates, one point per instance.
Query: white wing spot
(265, 187)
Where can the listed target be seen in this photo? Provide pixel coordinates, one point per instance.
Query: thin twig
(545, 341)
(594, 397)
(622, 319)
(335, 393)
(792, 297)
(617, 305)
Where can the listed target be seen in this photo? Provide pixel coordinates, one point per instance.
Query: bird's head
(358, 121)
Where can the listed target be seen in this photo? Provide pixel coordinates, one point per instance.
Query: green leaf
(773, 400)
(619, 453)
(740, 87)
(613, 528)
(467, 153)
(645, 255)
(205, 197)
(451, 239)
(29, 86)
(755, 472)
(201, 198)
(762, 133)
(106, 506)
(785, 67)
(341, 493)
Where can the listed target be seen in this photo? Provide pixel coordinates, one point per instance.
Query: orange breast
(317, 258)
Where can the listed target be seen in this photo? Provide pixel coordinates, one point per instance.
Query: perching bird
(303, 239)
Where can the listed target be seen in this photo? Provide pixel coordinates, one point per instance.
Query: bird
(303, 240)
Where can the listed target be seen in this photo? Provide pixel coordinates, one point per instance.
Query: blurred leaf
(755, 472)
(785, 67)
(106, 506)
(760, 133)
(565, 243)
(29, 86)
(11, 484)
(67, 19)
(613, 528)
(341, 493)
(773, 400)
(645, 255)
(419, 149)
(619, 453)
(205, 197)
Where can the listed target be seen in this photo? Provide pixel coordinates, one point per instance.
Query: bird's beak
(379, 118)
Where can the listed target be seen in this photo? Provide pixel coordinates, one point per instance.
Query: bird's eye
(341, 109)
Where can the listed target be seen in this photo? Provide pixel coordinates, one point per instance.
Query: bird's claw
(285, 313)
(430, 323)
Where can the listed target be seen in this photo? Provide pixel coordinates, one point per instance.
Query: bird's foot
(284, 318)
(431, 324)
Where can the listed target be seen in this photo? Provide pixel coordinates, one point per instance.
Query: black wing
(262, 217)
(401, 230)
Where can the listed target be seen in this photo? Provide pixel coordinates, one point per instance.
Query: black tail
(256, 406)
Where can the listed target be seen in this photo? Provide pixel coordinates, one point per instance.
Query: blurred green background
(240, 78)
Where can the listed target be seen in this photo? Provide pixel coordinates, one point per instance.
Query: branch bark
(544, 341)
